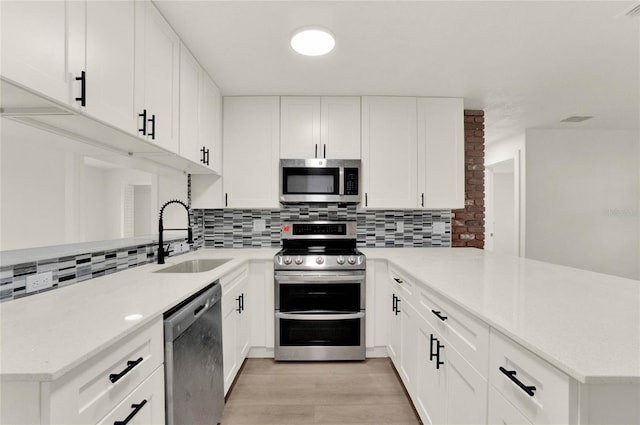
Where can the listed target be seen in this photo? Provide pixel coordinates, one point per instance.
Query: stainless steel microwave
(320, 180)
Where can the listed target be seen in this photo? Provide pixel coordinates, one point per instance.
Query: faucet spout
(161, 229)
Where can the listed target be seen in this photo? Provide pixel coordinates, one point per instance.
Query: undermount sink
(194, 266)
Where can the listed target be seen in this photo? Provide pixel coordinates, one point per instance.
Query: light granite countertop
(586, 324)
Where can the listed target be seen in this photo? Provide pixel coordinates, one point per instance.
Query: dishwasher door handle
(344, 316)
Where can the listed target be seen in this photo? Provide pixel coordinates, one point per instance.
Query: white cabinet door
(190, 89)
(430, 398)
(157, 76)
(409, 349)
(300, 127)
(250, 151)
(211, 122)
(229, 339)
(235, 323)
(465, 387)
(244, 322)
(340, 127)
(389, 151)
(34, 46)
(110, 63)
(394, 327)
(440, 153)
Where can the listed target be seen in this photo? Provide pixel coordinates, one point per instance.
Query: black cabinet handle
(114, 377)
(202, 156)
(143, 115)
(511, 374)
(136, 408)
(422, 203)
(398, 280)
(393, 303)
(439, 315)
(242, 301)
(226, 199)
(83, 89)
(366, 200)
(206, 157)
(324, 151)
(315, 155)
(152, 133)
(438, 346)
(398, 305)
(238, 309)
(431, 340)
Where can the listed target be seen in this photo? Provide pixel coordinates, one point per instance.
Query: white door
(158, 76)
(34, 46)
(110, 63)
(441, 156)
(340, 127)
(389, 147)
(300, 127)
(190, 83)
(251, 140)
(502, 222)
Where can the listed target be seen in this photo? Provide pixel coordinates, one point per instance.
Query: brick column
(467, 225)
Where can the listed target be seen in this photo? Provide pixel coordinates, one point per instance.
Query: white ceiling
(527, 64)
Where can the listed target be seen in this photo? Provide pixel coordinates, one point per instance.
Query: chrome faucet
(161, 229)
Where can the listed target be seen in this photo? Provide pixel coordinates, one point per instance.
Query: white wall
(582, 190)
(504, 214)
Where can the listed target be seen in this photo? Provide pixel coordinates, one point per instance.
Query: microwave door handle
(290, 316)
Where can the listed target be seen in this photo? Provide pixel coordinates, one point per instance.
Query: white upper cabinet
(110, 76)
(440, 153)
(35, 46)
(157, 77)
(320, 127)
(389, 148)
(251, 127)
(299, 127)
(200, 114)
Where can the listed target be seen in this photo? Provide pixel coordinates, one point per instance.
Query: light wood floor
(282, 393)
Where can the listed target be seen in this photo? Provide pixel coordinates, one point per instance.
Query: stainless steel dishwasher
(193, 359)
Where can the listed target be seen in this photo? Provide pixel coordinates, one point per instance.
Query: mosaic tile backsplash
(224, 228)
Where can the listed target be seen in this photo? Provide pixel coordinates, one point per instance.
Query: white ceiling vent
(633, 12)
(576, 118)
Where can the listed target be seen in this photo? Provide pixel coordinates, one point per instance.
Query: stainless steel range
(319, 293)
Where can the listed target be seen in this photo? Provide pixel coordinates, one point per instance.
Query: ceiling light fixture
(313, 41)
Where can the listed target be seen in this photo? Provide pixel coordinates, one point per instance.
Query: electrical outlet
(259, 225)
(40, 281)
(399, 226)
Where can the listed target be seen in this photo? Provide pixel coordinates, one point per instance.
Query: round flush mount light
(313, 41)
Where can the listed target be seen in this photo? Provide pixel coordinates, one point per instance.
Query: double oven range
(319, 293)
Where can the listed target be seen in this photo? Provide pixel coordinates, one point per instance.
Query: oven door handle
(305, 278)
(290, 316)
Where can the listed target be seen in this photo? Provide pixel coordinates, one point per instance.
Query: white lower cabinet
(236, 323)
(503, 412)
(100, 390)
(448, 389)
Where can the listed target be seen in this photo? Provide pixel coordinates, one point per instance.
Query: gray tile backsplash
(227, 228)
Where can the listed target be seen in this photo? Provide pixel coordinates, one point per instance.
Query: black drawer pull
(83, 88)
(114, 377)
(398, 280)
(143, 115)
(136, 408)
(511, 374)
(439, 315)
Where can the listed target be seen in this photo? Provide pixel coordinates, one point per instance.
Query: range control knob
(351, 260)
(319, 260)
(287, 260)
(340, 260)
(299, 260)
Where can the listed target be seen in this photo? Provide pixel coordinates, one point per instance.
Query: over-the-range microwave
(320, 180)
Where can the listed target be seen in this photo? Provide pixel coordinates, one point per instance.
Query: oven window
(343, 297)
(298, 333)
(318, 181)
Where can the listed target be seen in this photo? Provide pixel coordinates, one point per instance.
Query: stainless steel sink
(195, 266)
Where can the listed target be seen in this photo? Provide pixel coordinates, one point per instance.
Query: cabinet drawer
(145, 405)
(87, 393)
(402, 284)
(503, 412)
(468, 335)
(549, 402)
